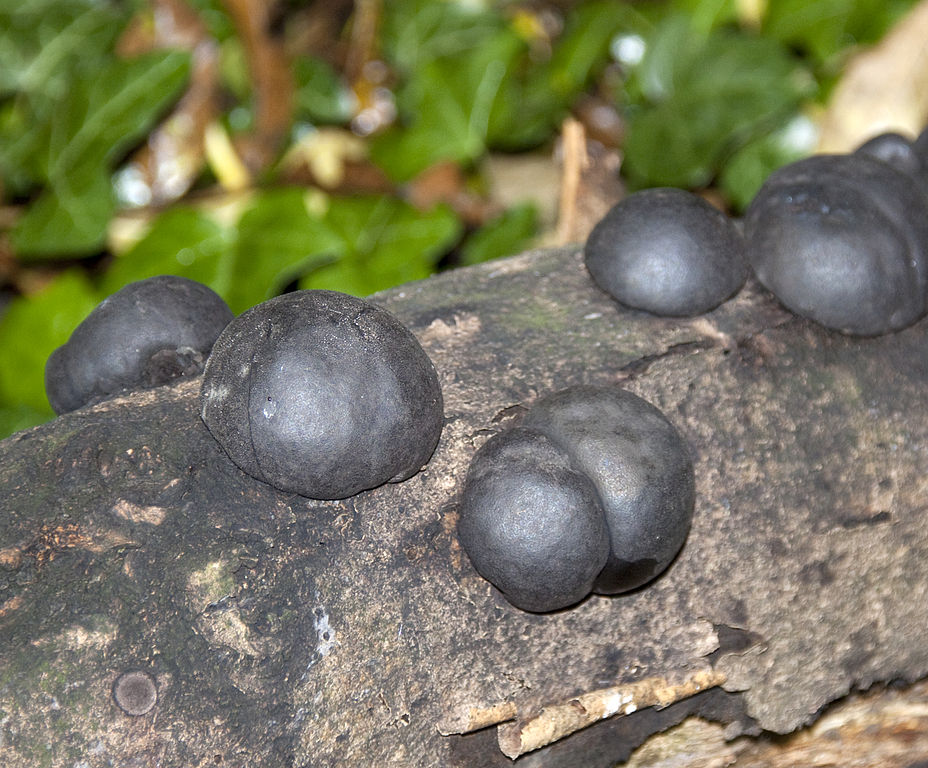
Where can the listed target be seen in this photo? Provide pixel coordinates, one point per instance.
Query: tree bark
(282, 631)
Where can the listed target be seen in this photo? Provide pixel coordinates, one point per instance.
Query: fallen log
(273, 630)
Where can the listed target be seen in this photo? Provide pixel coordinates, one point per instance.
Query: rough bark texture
(282, 631)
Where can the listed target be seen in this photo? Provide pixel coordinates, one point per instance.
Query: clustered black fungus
(144, 335)
(667, 251)
(325, 395)
(840, 239)
(322, 394)
(594, 491)
(843, 239)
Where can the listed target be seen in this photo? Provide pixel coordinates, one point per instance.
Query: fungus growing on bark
(322, 394)
(894, 149)
(594, 491)
(667, 251)
(531, 524)
(843, 240)
(144, 335)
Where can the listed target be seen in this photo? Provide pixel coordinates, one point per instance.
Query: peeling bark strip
(561, 720)
(468, 719)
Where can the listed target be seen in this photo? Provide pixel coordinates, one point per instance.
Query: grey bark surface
(282, 631)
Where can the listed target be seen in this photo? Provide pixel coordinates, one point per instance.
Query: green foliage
(30, 330)
(383, 242)
(44, 47)
(321, 97)
(274, 241)
(695, 100)
(711, 101)
(358, 245)
(471, 82)
(828, 28)
(749, 167)
(508, 233)
(97, 120)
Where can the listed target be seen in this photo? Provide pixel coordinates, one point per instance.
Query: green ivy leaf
(14, 418)
(181, 241)
(532, 103)
(504, 235)
(448, 106)
(278, 241)
(275, 241)
(697, 100)
(321, 96)
(43, 42)
(826, 28)
(31, 328)
(99, 119)
(707, 15)
(385, 242)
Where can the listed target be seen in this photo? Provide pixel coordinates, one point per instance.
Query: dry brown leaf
(166, 167)
(883, 89)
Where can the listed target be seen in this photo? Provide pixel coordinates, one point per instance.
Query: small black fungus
(843, 240)
(531, 524)
(593, 492)
(667, 251)
(322, 394)
(135, 692)
(894, 149)
(144, 335)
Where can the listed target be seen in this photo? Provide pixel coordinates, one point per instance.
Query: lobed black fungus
(843, 240)
(322, 394)
(667, 251)
(144, 335)
(594, 491)
(531, 524)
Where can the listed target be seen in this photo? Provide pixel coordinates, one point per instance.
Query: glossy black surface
(667, 251)
(594, 492)
(322, 394)
(843, 240)
(144, 335)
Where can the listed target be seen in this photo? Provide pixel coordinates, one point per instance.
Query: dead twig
(561, 720)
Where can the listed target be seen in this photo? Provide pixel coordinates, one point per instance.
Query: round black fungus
(894, 149)
(322, 394)
(640, 467)
(144, 335)
(135, 692)
(531, 524)
(843, 240)
(920, 145)
(667, 251)
(594, 491)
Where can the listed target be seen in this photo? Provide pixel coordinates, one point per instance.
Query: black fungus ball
(641, 469)
(322, 394)
(531, 524)
(920, 145)
(843, 240)
(594, 491)
(894, 149)
(667, 251)
(144, 335)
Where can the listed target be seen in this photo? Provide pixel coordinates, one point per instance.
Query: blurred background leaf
(357, 144)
